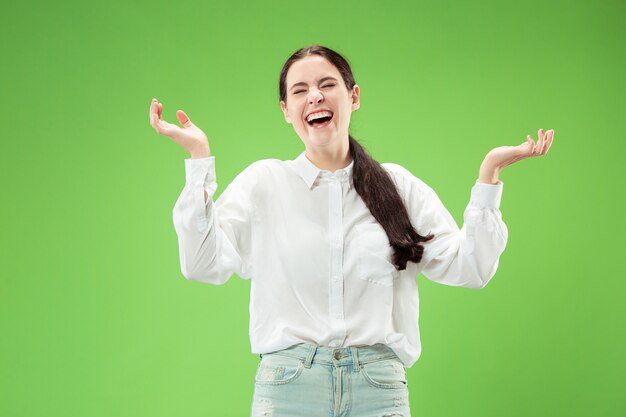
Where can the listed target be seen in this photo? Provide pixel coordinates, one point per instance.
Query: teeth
(318, 115)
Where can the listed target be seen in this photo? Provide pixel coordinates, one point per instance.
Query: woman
(333, 241)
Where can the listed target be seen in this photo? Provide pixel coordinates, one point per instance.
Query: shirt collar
(309, 171)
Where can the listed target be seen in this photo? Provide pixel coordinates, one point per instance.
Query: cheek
(296, 114)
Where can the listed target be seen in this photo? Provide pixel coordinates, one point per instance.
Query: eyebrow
(320, 81)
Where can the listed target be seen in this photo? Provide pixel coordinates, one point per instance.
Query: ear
(356, 99)
(283, 107)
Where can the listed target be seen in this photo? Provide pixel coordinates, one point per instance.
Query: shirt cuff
(486, 195)
(200, 170)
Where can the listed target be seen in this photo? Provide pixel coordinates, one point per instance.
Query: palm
(191, 133)
(506, 155)
(189, 136)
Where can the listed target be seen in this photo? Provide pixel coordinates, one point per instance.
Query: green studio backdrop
(95, 316)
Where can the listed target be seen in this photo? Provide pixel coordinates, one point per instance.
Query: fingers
(156, 119)
(547, 142)
(539, 145)
(183, 118)
(528, 141)
(153, 113)
(156, 108)
(543, 143)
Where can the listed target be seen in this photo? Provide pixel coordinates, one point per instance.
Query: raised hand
(190, 137)
(502, 156)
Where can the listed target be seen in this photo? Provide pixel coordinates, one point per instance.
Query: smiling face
(314, 84)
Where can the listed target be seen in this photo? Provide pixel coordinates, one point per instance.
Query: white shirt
(319, 263)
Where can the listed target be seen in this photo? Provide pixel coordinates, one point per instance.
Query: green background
(95, 316)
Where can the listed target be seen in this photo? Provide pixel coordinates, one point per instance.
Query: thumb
(183, 119)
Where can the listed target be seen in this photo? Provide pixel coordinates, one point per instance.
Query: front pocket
(386, 373)
(374, 263)
(276, 369)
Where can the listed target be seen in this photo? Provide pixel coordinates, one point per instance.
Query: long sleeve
(466, 257)
(214, 239)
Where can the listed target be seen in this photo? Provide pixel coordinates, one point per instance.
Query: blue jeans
(313, 381)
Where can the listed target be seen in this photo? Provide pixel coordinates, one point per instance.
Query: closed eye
(324, 86)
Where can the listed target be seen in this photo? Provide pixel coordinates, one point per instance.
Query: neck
(330, 159)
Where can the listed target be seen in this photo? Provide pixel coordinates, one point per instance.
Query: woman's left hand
(503, 156)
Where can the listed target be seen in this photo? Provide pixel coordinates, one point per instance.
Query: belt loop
(309, 357)
(355, 358)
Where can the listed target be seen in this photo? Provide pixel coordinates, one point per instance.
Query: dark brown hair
(371, 181)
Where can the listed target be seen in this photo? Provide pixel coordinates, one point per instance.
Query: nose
(315, 97)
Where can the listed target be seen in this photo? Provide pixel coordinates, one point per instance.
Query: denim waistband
(311, 353)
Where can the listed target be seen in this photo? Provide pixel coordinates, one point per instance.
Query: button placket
(335, 219)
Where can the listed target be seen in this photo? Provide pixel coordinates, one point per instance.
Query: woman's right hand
(190, 137)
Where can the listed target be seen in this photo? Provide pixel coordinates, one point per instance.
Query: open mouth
(321, 122)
